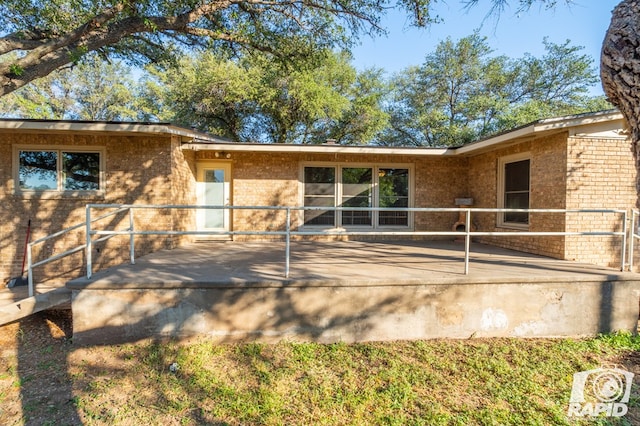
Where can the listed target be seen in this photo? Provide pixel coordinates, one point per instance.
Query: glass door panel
(357, 185)
(213, 187)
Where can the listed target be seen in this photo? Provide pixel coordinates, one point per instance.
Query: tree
(255, 98)
(210, 93)
(91, 90)
(461, 92)
(47, 35)
(620, 69)
(365, 117)
(324, 100)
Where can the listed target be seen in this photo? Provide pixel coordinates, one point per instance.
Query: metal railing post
(32, 290)
(632, 237)
(132, 245)
(89, 247)
(467, 241)
(623, 254)
(287, 243)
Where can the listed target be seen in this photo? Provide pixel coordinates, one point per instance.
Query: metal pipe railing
(30, 245)
(288, 232)
(633, 235)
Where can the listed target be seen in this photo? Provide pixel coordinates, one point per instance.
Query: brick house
(53, 169)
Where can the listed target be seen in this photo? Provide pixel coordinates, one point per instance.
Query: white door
(213, 189)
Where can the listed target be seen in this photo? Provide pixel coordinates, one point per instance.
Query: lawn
(448, 382)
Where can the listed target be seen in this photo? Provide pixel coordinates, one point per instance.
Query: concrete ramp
(30, 305)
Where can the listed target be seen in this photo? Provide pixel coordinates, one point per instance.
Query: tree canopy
(462, 92)
(92, 90)
(48, 35)
(259, 99)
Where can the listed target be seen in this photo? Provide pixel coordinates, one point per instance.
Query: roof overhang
(601, 124)
(577, 125)
(121, 127)
(317, 149)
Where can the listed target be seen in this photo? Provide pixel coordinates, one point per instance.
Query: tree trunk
(620, 69)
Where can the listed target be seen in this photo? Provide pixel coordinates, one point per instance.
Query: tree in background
(48, 35)
(328, 99)
(91, 90)
(462, 93)
(261, 100)
(206, 92)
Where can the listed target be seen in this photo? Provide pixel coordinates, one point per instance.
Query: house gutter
(199, 141)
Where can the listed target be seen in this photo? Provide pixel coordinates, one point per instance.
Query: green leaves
(91, 90)
(146, 31)
(262, 99)
(462, 93)
(16, 70)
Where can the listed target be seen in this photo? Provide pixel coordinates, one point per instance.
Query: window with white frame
(357, 186)
(514, 190)
(60, 170)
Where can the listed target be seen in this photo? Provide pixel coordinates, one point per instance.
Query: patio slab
(349, 291)
(352, 263)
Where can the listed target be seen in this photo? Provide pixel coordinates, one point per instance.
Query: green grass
(441, 382)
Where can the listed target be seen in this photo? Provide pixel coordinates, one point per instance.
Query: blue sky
(584, 23)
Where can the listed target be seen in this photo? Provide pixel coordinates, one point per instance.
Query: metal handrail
(634, 234)
(287, 232)
(30, 245)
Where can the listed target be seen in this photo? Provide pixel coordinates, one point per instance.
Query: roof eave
(550, 125)
(317, 149)
(104, 126)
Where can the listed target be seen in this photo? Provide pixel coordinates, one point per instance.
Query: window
(393, 190)
(58, 170)
(357, 191)
(514, 190)
(358, 187)
(319, 191)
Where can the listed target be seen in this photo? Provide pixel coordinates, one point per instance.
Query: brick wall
(183, 183)
(593, 173)
(138, 170)
(600, 174)
(272, 179)
(548, 182)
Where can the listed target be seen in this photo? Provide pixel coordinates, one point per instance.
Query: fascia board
(316, 149)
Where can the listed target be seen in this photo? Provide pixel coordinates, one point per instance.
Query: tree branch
(46, 52)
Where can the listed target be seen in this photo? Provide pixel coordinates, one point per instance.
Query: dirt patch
(37, 349)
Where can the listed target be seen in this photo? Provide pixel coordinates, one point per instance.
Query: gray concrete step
(13, 311)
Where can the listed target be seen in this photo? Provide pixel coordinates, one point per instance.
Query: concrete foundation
(351, 292)
(331, 313)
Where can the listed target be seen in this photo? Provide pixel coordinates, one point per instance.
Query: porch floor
(352, 263)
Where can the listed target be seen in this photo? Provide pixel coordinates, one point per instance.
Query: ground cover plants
(45, 379)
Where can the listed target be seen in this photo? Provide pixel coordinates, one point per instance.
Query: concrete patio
(349, 291)
(344, 263)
